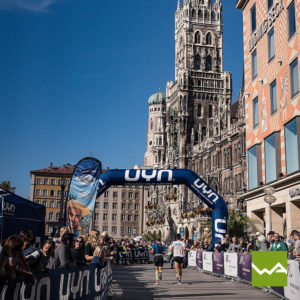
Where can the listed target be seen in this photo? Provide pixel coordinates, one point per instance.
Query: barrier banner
(192, 256)
(231, 264)
(207, 261)
(75, 283)
(292, 291)
(199, 261)
(278, 289)
(135, 255)
(82, 195)
(245, 266)
(218, 262)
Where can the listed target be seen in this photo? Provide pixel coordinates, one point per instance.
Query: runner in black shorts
(158, 249)
(178, 247)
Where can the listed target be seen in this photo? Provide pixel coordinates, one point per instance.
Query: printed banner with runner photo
(82, 195)
(218, 263)
(245, 266)
(231, 264)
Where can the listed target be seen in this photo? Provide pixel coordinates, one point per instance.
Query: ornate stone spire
(178, 4)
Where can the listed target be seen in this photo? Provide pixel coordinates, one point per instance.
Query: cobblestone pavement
(137, 282)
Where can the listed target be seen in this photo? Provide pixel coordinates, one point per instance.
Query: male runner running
(178, 247)
(158, 249)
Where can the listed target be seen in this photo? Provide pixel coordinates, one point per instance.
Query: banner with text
(207, 261)
(231, 264)
(75, 283)
(199, 261)
(218, 263)
(192, 256)
(292, 291)
(245, 266)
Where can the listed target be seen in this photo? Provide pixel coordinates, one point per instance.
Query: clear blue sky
(75, 77)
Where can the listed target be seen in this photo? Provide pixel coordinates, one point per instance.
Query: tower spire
(178, 4)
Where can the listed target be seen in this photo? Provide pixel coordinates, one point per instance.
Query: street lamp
(270, 199)
(61, 221)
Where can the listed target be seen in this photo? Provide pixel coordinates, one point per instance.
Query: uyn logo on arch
(269, 268)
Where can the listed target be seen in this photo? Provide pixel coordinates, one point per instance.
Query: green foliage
(239, 225)
(7, 186)
(149, 236)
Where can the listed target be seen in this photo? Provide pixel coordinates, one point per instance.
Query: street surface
(137, 282)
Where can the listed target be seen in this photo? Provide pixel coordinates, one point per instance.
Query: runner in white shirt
(178, 247)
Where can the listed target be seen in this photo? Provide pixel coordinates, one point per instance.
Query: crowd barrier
(137, 255)
(89, 282)
(239, 266)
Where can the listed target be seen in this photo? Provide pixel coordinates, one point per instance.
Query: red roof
(55, 170)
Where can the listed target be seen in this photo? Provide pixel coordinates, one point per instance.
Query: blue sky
(76, 76)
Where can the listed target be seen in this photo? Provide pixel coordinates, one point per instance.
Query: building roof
(240, 3)
(52, 170)
(157, 98)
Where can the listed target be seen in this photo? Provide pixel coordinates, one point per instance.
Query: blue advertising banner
(75, 283)
(218, 263)
(82, 195)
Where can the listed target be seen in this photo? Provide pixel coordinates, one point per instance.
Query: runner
(158, 249)
(178, 248)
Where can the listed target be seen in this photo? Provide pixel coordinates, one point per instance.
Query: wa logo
(269, 268)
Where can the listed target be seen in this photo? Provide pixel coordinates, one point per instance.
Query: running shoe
(157, 282)
(179, 282)
(160, 276)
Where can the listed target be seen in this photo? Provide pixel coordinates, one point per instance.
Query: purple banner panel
(218, 263)
(278, 289)
(245, 266)
(199, 261)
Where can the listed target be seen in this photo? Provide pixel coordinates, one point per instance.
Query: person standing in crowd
(123, 252)
(42, 260)
(78, 251)
(234, 246)
(63, 257)
(195, 246)
(270, 238)
(225, 245)
(12, 262)
(99, 253)
(158, 250)
(178, 248)
(262, 243)
(62, 231)
(254, 243)
(28, 239)
(243, 245)
(91, 245)
(278, 245)
(296, 237)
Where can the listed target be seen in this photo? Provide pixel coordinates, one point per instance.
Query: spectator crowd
(19, 254)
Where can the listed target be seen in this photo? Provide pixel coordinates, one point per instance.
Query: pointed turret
(178, 4)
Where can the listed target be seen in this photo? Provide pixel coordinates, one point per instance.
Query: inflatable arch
(173, 177)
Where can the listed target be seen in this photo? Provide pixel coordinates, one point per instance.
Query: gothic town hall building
(194, 125)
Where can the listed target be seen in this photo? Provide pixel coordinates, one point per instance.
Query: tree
(239, 225)
(7, 186)
(149, 236)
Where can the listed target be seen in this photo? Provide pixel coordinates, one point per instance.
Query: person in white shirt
(178, 248)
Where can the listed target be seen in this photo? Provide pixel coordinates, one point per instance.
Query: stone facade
(272, 106)
(195, 125)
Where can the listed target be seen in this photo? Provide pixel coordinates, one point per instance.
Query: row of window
(114, 230)
(51, 216)
(157, 109)
(273, 154)
(51, 193)
(52, 181)
(124, 205)
(213, 16)
(46, 202)
(290, 12)
(294, 79)
(124, 217)
(124, 194)
(208, 38)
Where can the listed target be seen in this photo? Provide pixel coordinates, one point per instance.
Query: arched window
(151, 125)
(208, 65)
(200, 14)
(203, 133)
(206, 14)
(196, 138)
(208, 38)
(210, 111)
(197, 37)
(197, 62)
(213, 15)
(199, 110)
(193, 13)
(160, 141)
